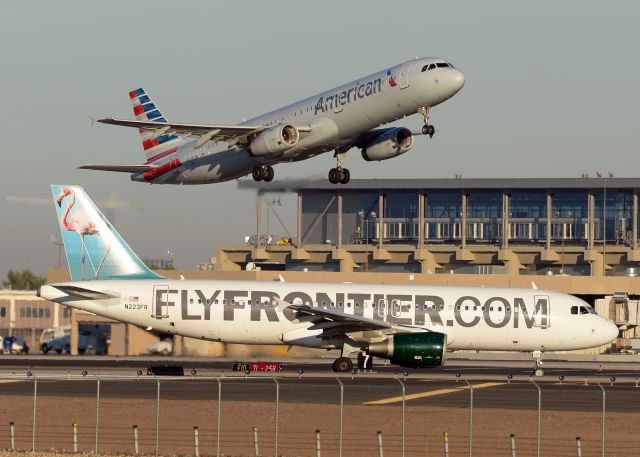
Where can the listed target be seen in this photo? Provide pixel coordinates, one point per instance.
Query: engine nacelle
(413, 350)
(275, 140)
(389, 144)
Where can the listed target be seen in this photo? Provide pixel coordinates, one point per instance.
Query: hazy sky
(551, 90)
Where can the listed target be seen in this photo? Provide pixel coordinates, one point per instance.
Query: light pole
(604, 176)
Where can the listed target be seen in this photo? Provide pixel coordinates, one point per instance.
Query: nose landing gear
(263, 173)
(537, 363)
(427, 129)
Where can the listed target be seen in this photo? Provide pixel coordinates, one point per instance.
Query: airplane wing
(229, 133)
(333, 322)
(81, 292)
(120, 168)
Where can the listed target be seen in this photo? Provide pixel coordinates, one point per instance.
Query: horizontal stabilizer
(81, 292)
(119, 168)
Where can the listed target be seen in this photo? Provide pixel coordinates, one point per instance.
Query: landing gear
(263, 173)
(342, 365)
(339, 174)
(427, 129)
(537, 363)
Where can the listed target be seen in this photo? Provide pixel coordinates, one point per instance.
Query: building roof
(292, 186)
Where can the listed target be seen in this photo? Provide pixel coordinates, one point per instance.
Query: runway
(568, 386)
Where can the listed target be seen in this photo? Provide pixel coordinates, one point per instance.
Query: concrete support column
(506, 205)
(299, 222)
(339, 220)
(421, 211)
(463, 222)
(380, 221)
(634, 236)
(549, 214)
(74, 333)
(590, 220)
(258, 218)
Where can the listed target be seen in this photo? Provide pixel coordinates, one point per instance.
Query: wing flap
(211, 132)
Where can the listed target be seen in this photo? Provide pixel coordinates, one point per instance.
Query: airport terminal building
(575, 227)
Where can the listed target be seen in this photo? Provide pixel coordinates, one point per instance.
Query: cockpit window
(582, 310)
(442, 65)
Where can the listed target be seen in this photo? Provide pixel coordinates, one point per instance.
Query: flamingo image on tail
(80, 222)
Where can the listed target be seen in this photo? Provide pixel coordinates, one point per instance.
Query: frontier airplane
(411, 325)
(336, 120)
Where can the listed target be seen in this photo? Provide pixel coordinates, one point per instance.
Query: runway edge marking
(431, 393)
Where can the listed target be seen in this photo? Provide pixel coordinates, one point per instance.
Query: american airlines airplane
(336, 120)
(410, 325)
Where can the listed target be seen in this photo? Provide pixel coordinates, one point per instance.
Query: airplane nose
(457, 81)
(611, 331)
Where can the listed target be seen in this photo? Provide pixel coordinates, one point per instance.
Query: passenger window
(574, 310)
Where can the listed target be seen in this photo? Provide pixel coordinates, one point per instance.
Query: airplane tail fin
(156, 145)
(94, 249)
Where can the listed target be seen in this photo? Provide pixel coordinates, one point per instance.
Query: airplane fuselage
(250, 312)
(334, 119)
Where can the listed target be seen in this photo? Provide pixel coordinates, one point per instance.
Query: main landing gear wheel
(263, 173)
(339, 175)
(342, 365)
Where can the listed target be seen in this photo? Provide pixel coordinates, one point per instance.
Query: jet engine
(413, 350)
(389, 144)
(274, 140)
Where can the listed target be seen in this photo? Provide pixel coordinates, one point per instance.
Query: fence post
(12, 435)
(75, 436)
(275, 453)
(196, 441)
(136, 441)
(445, 437)
(404, 391)
(255, 441)
(470, 418)
(317, 443)
(35, 401)
(219, 417)
(380, 451)
(604, 411)
(539, 414)
(513, 445)
(341, 416)
(578, 446)
(157, 416)
(97, 410)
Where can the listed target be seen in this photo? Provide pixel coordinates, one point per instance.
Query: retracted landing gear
(263, 173)
(342, 365)
(339, 174)
(537, 363)
(427, 129)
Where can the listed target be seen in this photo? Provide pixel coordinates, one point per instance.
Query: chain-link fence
(344, 416)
